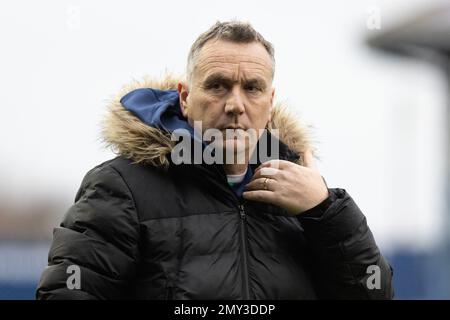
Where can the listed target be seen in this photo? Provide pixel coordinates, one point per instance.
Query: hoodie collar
(143, 115)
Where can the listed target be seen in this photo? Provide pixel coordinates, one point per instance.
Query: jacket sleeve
(99, 235)
(347, 262)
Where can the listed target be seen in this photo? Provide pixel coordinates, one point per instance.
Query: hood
(141, 134)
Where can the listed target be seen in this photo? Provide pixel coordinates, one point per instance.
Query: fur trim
(128, 136)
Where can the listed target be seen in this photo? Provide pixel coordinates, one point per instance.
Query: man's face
(231, 88)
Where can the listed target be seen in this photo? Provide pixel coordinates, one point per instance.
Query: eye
(216, 86)
(252, 88)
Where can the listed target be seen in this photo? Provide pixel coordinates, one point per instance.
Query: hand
(288, 185)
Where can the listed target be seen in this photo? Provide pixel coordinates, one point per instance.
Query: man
(145, 225)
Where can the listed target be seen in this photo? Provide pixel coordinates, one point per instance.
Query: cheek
(260, 113)
(206, 108)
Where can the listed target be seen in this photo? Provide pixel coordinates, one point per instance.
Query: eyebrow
(219, 77)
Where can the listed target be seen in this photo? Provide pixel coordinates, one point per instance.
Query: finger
(260, 184)
(268, 164)
(277, 164)
(308, 160)
(260, 195)
(266, 172)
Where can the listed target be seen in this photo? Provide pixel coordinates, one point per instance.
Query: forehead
(234, 58)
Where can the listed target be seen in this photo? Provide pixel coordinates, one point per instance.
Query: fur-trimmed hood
(128, 136)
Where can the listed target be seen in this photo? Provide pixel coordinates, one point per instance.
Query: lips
(234, 128)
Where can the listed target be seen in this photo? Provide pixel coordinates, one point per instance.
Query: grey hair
(234, 31)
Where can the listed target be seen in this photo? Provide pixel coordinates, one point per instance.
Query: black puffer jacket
(154, 230)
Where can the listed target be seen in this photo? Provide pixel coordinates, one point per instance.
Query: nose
(235, 102)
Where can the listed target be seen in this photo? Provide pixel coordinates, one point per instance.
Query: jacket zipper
(243, 231)
(245, 251)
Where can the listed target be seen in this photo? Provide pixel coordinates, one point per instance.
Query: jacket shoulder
(99, 234)
(119, 171)
(140, 181)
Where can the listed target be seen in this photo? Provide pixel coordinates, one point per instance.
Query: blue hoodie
(161, 109)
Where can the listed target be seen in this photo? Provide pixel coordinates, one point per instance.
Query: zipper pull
(242, 211)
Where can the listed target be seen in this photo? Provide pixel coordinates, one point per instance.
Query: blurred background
(371, 77)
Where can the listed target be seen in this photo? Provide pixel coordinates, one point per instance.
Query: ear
(183, 93)
(271, 104)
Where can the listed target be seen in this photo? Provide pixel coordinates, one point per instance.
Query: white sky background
(379, 120)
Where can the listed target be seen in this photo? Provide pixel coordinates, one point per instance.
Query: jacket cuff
(334, 219)
(320, 209)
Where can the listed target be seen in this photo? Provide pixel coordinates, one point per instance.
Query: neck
(235, 168)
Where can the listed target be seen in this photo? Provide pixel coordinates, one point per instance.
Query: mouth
(234, 133)
(234, 128)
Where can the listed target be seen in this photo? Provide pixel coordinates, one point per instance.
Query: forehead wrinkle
(215, 64)
(220, 69)
(234, 58)
(236, 70)
(241, 64)
(236, 77)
